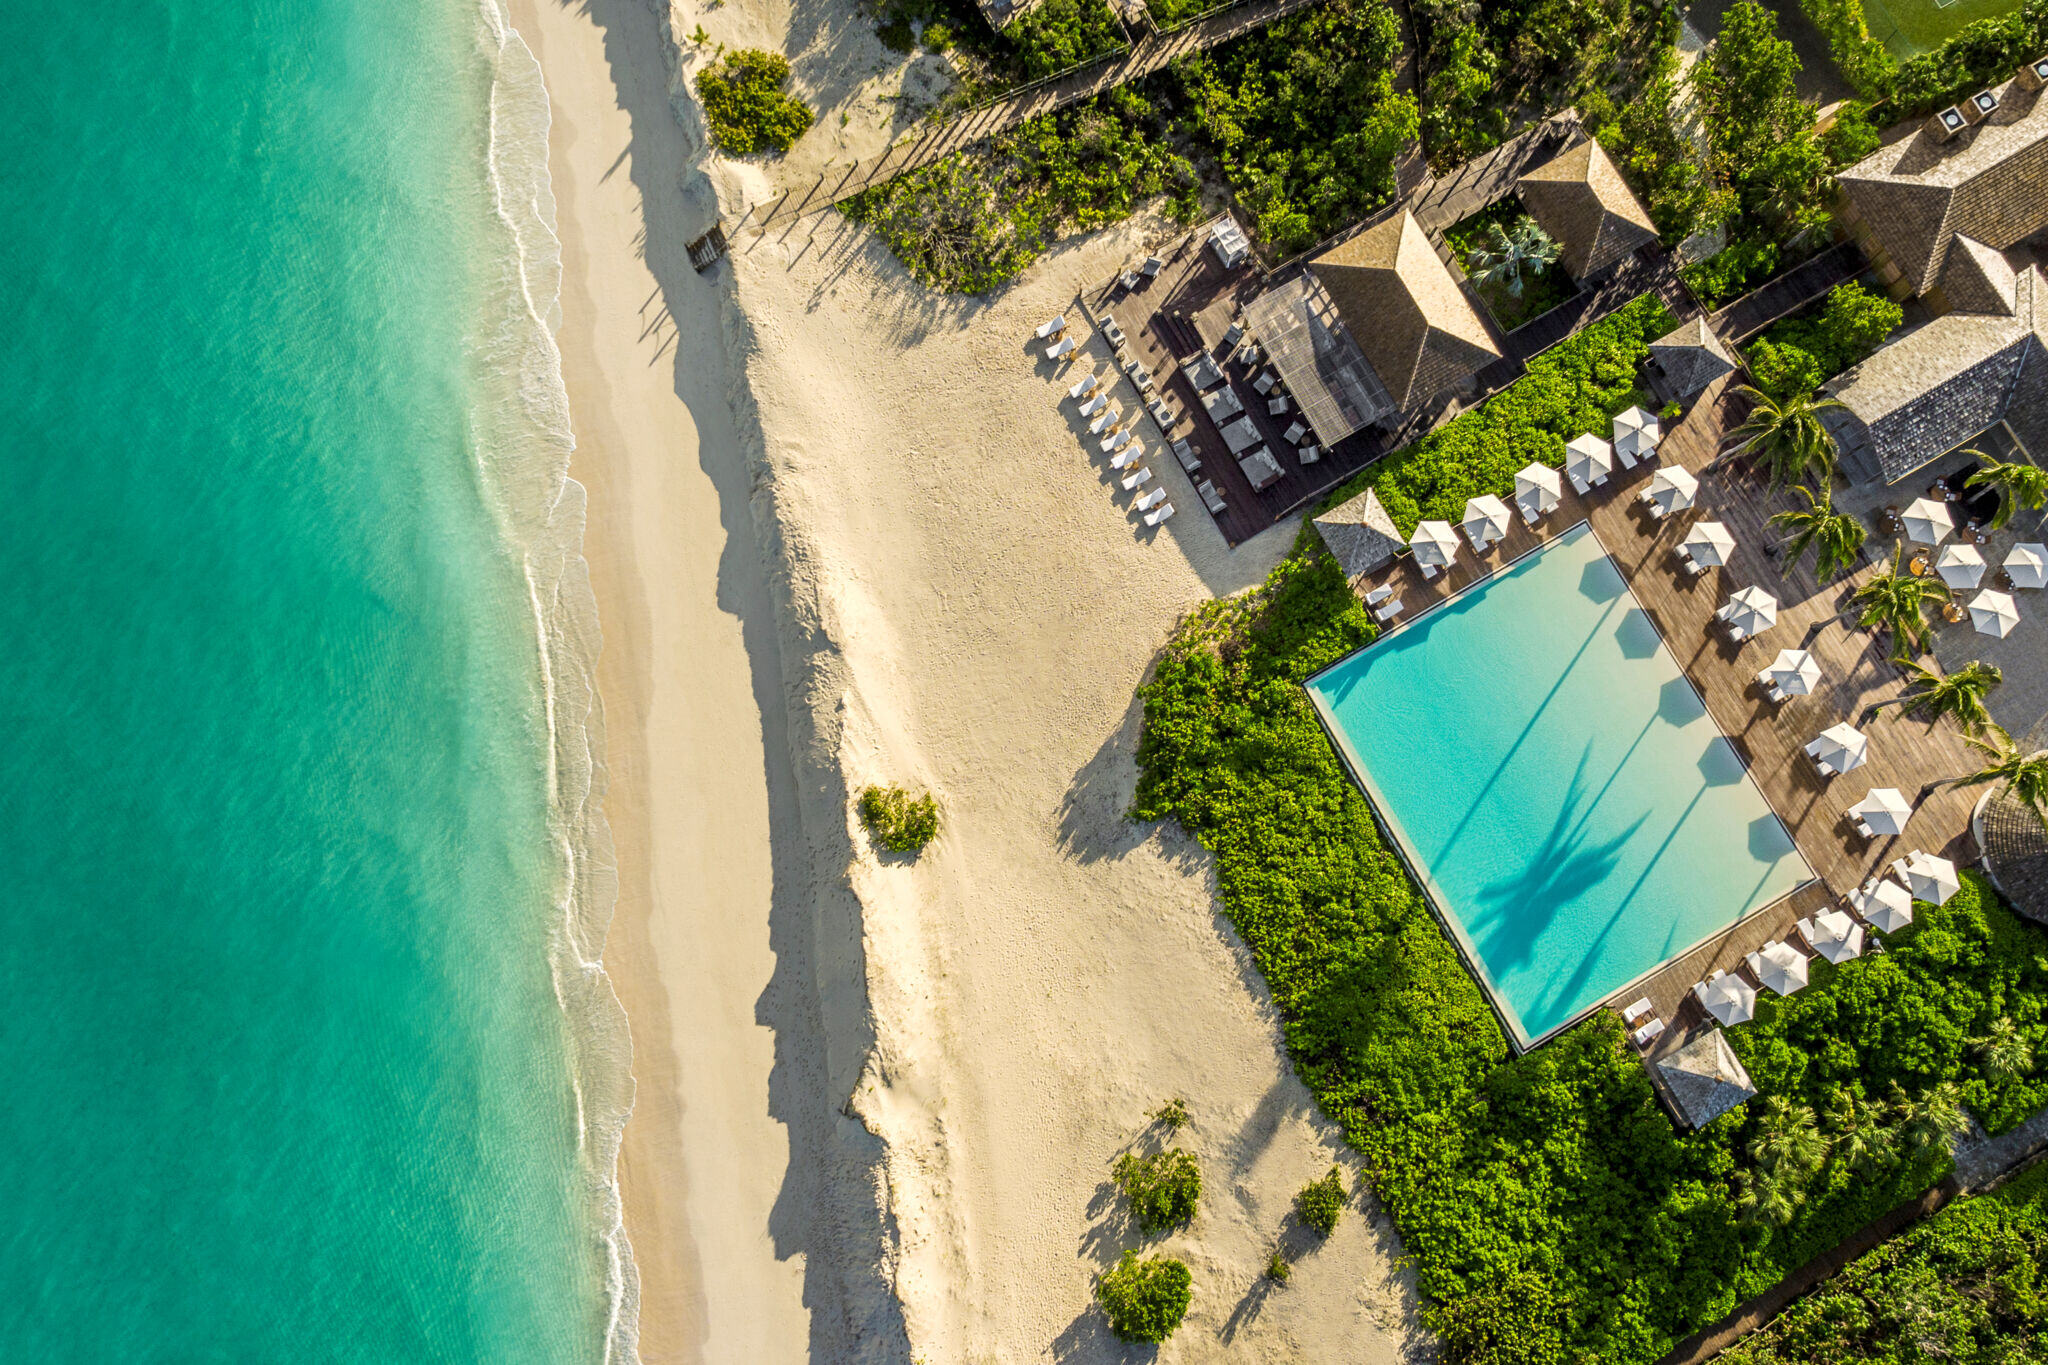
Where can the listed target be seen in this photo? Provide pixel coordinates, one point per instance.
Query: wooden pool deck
(1857, 673)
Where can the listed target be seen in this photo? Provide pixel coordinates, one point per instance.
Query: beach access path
(1148, 54)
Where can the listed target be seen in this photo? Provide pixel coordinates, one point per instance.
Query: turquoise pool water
(1556, 783)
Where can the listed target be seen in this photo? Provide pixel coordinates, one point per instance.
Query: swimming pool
(1556, 784)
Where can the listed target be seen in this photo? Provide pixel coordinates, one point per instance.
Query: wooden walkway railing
(1788, 293)
(1149, 54)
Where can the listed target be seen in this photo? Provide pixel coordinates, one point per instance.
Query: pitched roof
(1579, 198)
(1360, 533)
(1989, 182)
(1690, 357)
(1704, 1079)
(1398, 300)
(1297, 325)
(1942, 383)
(2016, 853)
(1977, 279)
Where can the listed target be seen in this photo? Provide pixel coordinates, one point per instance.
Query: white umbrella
(1836, 937)
(1674, 489)
(1588, 459)
(1884, 810)
(1887, 905)
(1486, 519)
(1959, 565)
(2027, 565)
(1994, 613)
(1538, 487)
(1928, 521)
(1709, 542)
(1751, 611)
(1636, 433)
(1730, 999)
(1795, 671)
(1434, 542)
(1931, 879)
(1780, 967)
(1841, 747)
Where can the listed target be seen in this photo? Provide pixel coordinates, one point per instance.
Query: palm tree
(1898, 601)
(1768, 1197)
(1787, 436)
(1835, 535)
(1961, 694)
(1861, 1141)
(2021, 775)
(2018, 485)
(2005, 1050)
(1787, 1141)
(1509, 258)
(1933, 1119)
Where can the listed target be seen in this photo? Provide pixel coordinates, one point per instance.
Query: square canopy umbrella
(1779, 967)
(1674, 488)
(1795, 671)
(1486, 519)
(1994, 613)
(1959, 565)
(1836, 937)
(2027, 565)
(1729, 999)
(1841, 747)
(1887, 905)
(1709, 543)
(1884, 810)
(1752, 611)
(1636, 434)
(1588, 459)
(1928, 521)
(1537, 488)
(1931, 879)
(1434, 543)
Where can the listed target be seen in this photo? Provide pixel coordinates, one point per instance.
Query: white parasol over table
(1537, 489)
(1887, 905)
(2027, 565)
(1751, 611)
(1931, 878)
(1840, 747)
(1636, 434)
(1709, 542)
(1780, 967)
(1674, 489)
(1729, 999)
(1994, 613)
(1486, 520)
(1959, 565)
(1836, 937)
(1588, 460)
(1884, 809)
(1434, 543)
(1795, 671)
(1928, 521)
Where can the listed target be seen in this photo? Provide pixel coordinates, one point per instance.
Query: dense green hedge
(1793, 356)
(1056, 34)
(1984, 53)
(1551, 1211)
(1966, 1285)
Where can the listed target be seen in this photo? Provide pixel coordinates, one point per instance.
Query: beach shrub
(1731, 272)
(1278, 1268)
(1863, 62)
(1321, 1202)
(1980, 54)
(1164, 1188)
(1172, 1115)
(900, 822)
(1145, 1300)
(746, 106)
(1303, 118)
(1056, 34)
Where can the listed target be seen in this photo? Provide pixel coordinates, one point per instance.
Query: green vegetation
(900, 822)
(1898, 601)
(1511, 262)
(1662, 163)
(1164, 1188)
(973, 220)
(745, 104)
(1795, 355)
(2019, 484)
(1551, 1211)
(1056, 34)
(1145, 1299)
(1786, 437)
(1984, 51)
(1172, 1115)
(1048, 38)
(1303, 118)
(1733, 271)
(2020, 773)
(1964, 1286)
(1764, 145)
(1933, 694)
(1278, 1269)
(1321, 1202)
(1836, 538)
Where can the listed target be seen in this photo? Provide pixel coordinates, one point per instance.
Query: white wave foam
(522, 451)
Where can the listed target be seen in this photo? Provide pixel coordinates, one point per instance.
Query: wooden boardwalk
(1148, 54)
(1904, 753)
(1788, 293)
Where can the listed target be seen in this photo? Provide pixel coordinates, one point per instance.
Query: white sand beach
(844, 530)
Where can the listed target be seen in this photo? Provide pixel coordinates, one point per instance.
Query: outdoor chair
(1636, 1013)
(1648, 1033)
(1265, 382)
(1696, 567)
(1084, 389)
(1159, 514)
(1699, 990)
(1275, 406)
(1059, 349)
(1150, 500)
(1054, 329)
(1128, 456)
(1129, 279)
(1185, 453)
(1309, 454)
(1579, 485)
(1113, 332)
(1295, 431)
(1137, 476)
(1095, 405)
(1428, 570)
(1210, 496)
(1388, 612)
(1153, 265)
(1103, 419)
(1379, 595)
(1863, 827)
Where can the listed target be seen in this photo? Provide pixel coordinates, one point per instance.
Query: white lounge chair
(1428, 570)
(1129, 279)
(1085, 388)
(1063, 347)
(1185, 453)
(1137, 476)
(1388, 612)
(1095, 405)
(1210, 497)
(1159, 514)
(1579, 485)
(1648, 1033)
(1265, 382)
(1112, 331)
(1105, 419)
(1863, 827)
(1152, 267)
(1056, 328)
(1150, 500)
(1115, 441)
(1379, 595)
(1128, 456)
(1636, 1013)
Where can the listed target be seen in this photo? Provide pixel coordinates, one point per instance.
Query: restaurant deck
(1857, 673)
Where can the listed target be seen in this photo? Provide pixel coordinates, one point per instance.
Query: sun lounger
(1095, 405)
(1699, 990)
(1388, 612)
(1128, 456)
(1531, 512)
(1309, 454)
(1159, 514)
(1150, 500)
(1863, 827)
(1578, 485)
(1776, 693)
(1379, 595)
(1636, 1013)
(1648, 1033)
(1152, 267)
(1232, 335)
(1056, 328)
(1063, 347)
(1428, 570)
(1696, 568)
(1137, 476)
(1737, 634)
(1275, 406)
(1104, 419)
(1129, 279)
(1084, 388)
(1115, 441)
(1185, 453)
(1210, 497)
(1161, 413)
(1248, 354)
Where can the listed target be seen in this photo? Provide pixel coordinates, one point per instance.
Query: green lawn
(1911, 27)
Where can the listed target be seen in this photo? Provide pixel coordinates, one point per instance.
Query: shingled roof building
(1579, 198)
(1703, 1079)
(1688, 358)
(1400, 303)
(2015, 848)
(1360, 533)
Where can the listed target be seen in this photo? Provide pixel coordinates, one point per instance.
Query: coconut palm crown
(1835, 537)
(2020, 775)
(2018, 484)
(1897, 601)
(1509, 259)
(1961, 694)
(1787, 436)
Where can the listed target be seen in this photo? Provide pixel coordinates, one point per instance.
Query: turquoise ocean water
(303, 1057)
(1574, 810)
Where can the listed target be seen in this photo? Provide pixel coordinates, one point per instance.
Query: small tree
(1321, 1202)
(1898, 601)
(1961, 694)
(900, 822)
(1787, 436)
(1172, 1115)
(1835, 537)
(1164, 1189)
(2007, 1054)
(1933, 1120)
(1510, 259)
(1278, 1269)
(1145, 1300)
(1861, 1141)
(745, 105)
(2020, 775)
(2019, 485)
